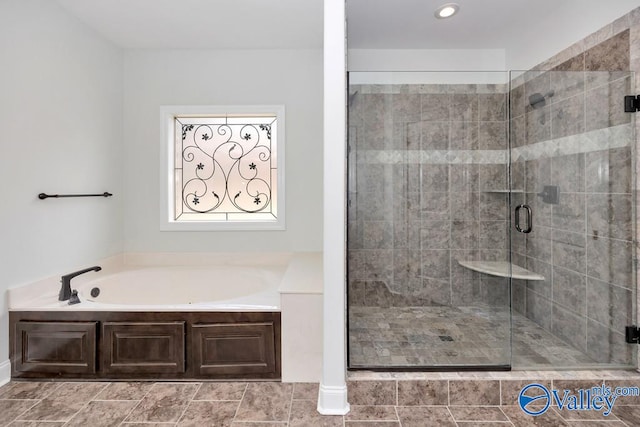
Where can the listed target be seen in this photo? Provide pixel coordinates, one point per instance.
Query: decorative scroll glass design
(225, 168)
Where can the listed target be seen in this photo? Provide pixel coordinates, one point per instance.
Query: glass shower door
(428, 221)
(572, 169)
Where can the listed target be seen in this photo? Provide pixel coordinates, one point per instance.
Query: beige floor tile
(35, 424)
(485, 424)
(147, 424)
(305, 391)
(519, 418)
(597, 424)
(221, 391)
(304, 413)
(11, 409)
(125, 391)
(267, 401)
(165, 402)
(420, 416)
(77, 391)
(373, 424)
(628, 414)
(423, 392)
(209, 413)
(103, 413)
(53, 410)
(257, 424)
(589, 415)
(372, 413)
(27, 390)
(477, 413)
(372, 392)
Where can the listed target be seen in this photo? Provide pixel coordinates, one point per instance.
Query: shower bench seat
(501, 269)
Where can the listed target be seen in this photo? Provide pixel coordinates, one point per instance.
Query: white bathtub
(218, 288)
(287, 283)
(165, 288)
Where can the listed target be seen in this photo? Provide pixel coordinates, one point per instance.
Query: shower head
(538, 100)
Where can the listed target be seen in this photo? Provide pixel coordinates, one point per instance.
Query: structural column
(332, 399)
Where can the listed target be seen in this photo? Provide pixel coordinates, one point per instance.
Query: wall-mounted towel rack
(43, 196)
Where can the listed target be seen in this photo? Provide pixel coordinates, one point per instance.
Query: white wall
(218, 77)
(426, 60)
(60, 115)
(426, 66)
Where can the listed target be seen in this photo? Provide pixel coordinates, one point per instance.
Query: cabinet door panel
(55, 347)
(234, 348)
(143, 347)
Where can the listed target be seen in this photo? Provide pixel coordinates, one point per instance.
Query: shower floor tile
(452, 336)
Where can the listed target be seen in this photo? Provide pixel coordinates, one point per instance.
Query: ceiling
(480, 24)
(372, 24)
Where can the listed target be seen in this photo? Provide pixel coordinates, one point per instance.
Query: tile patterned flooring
(453, 336)
(270, 404)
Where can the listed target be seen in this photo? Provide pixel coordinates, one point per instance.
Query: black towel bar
(43, 196)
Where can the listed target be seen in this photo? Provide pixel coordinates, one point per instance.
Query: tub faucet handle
(74, 298)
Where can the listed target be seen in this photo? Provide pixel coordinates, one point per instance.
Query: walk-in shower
(490, 220)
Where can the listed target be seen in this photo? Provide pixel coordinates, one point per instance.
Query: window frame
(168, 114)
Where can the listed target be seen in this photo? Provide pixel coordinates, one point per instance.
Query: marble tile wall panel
(610, 260)
(569, 326)
(589, 149)
(570, 290)
(519, 296)
(611, 54)
(601, 296)
(609, 171)
(569, 213)
(424, 155)
(539, 309)
(567, 117)
(464, 136)
(541, 287)
(606, 345)
(606, 98)
(610, 215)
(568, 173)
(570, 250)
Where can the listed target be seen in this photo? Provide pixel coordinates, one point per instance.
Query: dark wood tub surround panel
(233, 349)
(145, 345)
(137, 347)
(52, 347)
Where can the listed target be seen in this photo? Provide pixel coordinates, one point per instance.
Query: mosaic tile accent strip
(446, 157)
(592, 141)
(595, 140)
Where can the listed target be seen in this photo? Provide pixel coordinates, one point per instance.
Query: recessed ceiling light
(446, 10)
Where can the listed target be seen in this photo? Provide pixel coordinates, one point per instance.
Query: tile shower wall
(426, 165)
(581, 141)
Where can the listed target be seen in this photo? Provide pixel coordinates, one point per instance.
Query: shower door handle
(529, 226)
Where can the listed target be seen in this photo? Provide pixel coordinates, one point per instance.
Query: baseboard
(333, 400)
(5, 372)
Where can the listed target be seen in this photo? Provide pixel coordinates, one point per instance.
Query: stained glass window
(225, 168)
